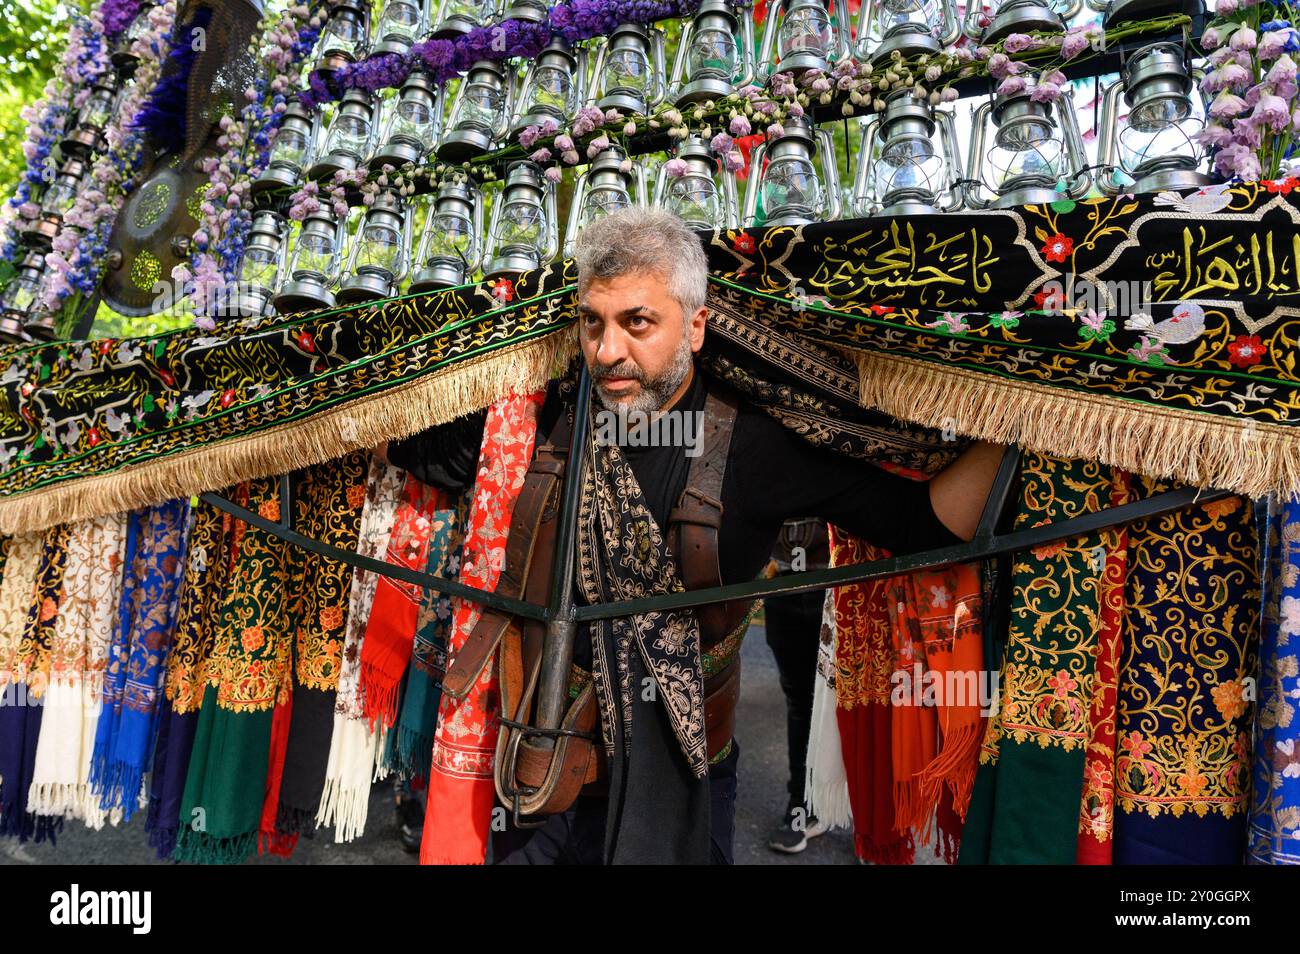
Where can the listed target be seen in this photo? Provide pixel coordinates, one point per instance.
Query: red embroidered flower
(252, 639)
(881, 309)
(306, 341)
(105, 346)
(1058, 248)
(744, 243)
(92, 436)
(1049, 299)
(227, 397)
(1283, 186)
(503, 289)
(166, 376)
(1246, 350)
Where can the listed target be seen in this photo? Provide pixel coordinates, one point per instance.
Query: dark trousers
(577, 836)
(793, 631)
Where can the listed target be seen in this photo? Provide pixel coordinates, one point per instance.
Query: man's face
(636, 341)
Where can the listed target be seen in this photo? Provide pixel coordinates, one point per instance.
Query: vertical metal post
(557, 651)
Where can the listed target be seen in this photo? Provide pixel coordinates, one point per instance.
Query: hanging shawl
(330, 502)
(1275, 807)
(460, 780)
(270, 841)
(208, 559)
(826, 784)
(26, 671)
(412, 743)
(78, 656)
(225, 786)
(23, 560)
(125, 733)
(1025, 809)
(1191, 639)
(390, 631)
(345, 797)
(1097, 807)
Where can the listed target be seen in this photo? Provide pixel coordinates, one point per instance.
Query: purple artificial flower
(554, 174)
(1011, 86)
(1243, 39)
(721, 144)
(1227, 106)
(1225, 8)
(1214, 135)
(1075, 42)
(529, 135)
(1272, 111)
(675, 167)
(569, 157)
(1210, 39)
(1284, 70)
(1017, 43)
(733, 161)
(999, 64)
(1237, 160)
(563, 142)
(597, 146)
(739, 126)
(540, 156)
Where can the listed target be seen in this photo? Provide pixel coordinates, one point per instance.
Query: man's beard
(655, 392)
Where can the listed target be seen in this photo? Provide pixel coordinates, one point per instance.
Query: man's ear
(696, 328)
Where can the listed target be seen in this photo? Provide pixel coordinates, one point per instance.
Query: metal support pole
(557, 651)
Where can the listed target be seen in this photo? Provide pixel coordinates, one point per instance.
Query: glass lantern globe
(791, 187)
(805, 29)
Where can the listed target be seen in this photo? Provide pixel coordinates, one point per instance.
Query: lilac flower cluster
(1255, 115)
(118, 15)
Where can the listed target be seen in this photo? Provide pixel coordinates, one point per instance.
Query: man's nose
(611, 347)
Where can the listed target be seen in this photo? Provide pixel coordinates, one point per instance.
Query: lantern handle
(676, 79)
(975, 158)
(747, 63)
(952, 156)
(843, 33)
(598, 64)
(580, 84)
(407, 235)
(1106, 146)
(954, 25)
(752, 186)
(575, 213)
(553, 225)
(864, 204)
(732, 209)
(861, 43)
(831, 173)
(1074, 146)
(765, 66)
(475, 259)
(661, 177)
(658, 52)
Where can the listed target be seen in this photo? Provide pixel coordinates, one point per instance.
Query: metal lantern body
(794, 190)
(602, 189)
(553, 88)
(1119, 11)
(704, 196)
(801, 36)
(531, 11)
(291, 152)
(21, 298)
(56, 202)
(912, 27)
(450, 246)
(715, 54)
(399, 26)
(902, 170)
(410, 123)
(122, 58)
(629, 70)
(523, 232)
(344, 38)
(93, 117)
(1035, 146)
(259, 269)
(377, 263)
(349, 136)
(313, 265)
(480, 113)
(1019, 16)
(455, 17)
(1156, 142)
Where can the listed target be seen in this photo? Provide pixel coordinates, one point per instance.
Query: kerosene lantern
(21, 298)
(450, 249)
(1018, 16)
(409, 123)
(800, 36)
(531, 11)
(480, 112)
(1035, 146)
(523, 232)
(313, 264)
(455, 17)
(629, 73)
(259, 269)
(913, 27)
(553, 88)
(902, 169)
(1119, 11)
(793, 190)
(56, 202)
(348, 137)
(399, 26)
(345, 36)
(291, 150)
(123, 59)
(378, 261)
(602, 189)
(93, 118)
(704, 194)
(1157, 145)
(715, 55)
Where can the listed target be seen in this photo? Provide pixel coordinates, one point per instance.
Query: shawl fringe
(294, 821)
(359, 425)
(1244, 457)
(896, 851)
(205, 850)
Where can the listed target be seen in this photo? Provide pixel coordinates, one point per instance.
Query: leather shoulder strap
(696, 521)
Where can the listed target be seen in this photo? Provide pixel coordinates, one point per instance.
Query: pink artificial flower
(1209, 39)
(541, 155)
(675, 167)
(569, 157)
(563, 143)
(1284, 70)
(597, 146)
(1228, 105)
(1011, 86)
(739, 126)
(1017, 43)
(1243, 38)
(554, 174)
(529, 135)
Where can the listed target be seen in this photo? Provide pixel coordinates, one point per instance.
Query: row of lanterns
(22, 318)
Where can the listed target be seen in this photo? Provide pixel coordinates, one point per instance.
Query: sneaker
(410, 822)
(791, 835)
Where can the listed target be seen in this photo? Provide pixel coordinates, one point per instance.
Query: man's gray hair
(640, 240)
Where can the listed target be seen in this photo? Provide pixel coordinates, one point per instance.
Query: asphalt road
(760, 802)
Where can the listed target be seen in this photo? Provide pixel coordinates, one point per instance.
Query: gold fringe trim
(434, 398)
(1198, 449)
